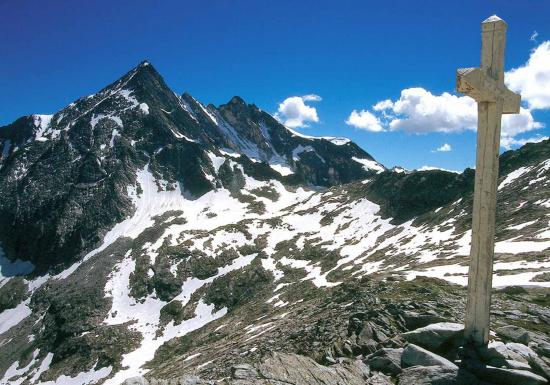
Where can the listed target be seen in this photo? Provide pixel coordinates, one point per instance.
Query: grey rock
(243, 372)
(539, 366)
(293, 369)
(497, 352)
(521, 335)
(414, 355)
(435, 335)
(369, 347)
(386, 360)
(513, 333)
(379, 335)
(186, 380)
(379, 379)
(523, 351)
(503, 376)
(365, 333)
(518, 365)
(436, 375)
(414, 320)
(543, 348)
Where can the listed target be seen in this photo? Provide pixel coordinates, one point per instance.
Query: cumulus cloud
(532, 80)
(294, 113)
(419, 111)
(514, 124)
(444, 148)
(364, 120)
(383, 105)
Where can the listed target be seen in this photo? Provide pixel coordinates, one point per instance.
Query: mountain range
(145, 233)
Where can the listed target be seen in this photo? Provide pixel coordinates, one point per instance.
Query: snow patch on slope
(369, 165)
(145, 315)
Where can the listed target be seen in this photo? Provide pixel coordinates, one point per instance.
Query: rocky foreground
(373, 333)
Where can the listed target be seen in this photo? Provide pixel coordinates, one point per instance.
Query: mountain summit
(63, 176)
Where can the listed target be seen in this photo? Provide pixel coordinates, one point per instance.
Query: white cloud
(383, 105)
(419, 111)
(444, 148)
(364, 120)
(509, 142)
(514, 124)
(294, 113)
(311, 98)
(532, 80)
(534, 36)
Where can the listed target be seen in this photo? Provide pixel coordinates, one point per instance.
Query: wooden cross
(486, 86)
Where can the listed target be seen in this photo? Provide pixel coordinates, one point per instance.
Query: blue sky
(352, 54)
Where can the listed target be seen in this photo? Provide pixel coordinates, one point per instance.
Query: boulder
(539, 366)
(293, 369)
(497, 352)
(414, 320)
(414, 355)
(243, 372)
(524, 351)
(543, 348)
(365, 333)
(504, 376)
(520, 335)
(435, 335)
(518, 365)
(514, 334)
(386, 360)
(436, 375)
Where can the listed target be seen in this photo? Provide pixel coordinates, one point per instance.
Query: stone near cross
(486, 86)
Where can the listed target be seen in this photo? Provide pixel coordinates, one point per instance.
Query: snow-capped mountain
(141, 229)
(64, 177)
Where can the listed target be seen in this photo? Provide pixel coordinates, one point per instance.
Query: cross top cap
(492, 19)
(494, 22)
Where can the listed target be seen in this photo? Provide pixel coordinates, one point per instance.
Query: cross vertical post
(486, 86)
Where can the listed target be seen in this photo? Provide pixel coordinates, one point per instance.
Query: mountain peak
(143, 73)
(145, 68)
(237, 100)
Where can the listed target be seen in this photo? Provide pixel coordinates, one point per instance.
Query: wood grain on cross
(486, 86)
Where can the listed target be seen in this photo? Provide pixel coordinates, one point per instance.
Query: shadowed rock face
(404, 196)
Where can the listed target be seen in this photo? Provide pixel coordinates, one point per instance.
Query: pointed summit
(237, 100)
(144, 69)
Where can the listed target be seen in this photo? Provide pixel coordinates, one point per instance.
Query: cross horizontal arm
(475, 83)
